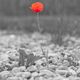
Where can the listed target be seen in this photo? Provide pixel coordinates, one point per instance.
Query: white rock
(50, 78)
(59, 78)
(4, 57)
(26, 75)
(15, 70)
(38, 62)
(19, 74)
(74, 78)
(20, 78)
(12, 36)
(61, 72)
(62, 67)
(41, 78)
(5, 74)
(13, 78)
(72, 71)
(34, 74)
(32, 69)
(22, 68)
(46, 72)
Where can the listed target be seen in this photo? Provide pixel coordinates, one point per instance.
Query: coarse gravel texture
(34, 57)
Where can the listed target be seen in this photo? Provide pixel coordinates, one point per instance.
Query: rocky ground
(34, 57)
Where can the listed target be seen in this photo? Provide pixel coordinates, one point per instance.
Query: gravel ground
(34, 57)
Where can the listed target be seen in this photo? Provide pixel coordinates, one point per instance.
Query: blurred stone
(62, 72)
(78, 74)
(32, 78)
(13, 78)
(22, 68)
(39, 78)
(34, 74)
(5, 74)
(62, 67)
(15, 70)
(78, 70)
(4, 57)
(68, 75)
(12, 36)
(19, 74)
(66, 63)
(46, 72)
(32, 69)
(72, 71)
(26, 75)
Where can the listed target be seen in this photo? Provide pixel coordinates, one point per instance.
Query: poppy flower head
(37, 7)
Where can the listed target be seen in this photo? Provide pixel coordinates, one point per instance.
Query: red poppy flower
(37, 7)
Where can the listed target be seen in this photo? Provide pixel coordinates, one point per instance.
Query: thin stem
(46, 57)
(38, 23)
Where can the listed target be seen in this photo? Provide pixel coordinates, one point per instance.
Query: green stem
(38, 23)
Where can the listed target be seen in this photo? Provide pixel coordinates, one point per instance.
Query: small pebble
(46, 72)
(34, 74)
(5, 74)
(61, 72)
(71, 71)
(13, 78)
(32, 69)
(15, 70)
(26, 75)
(22, 68)
(19, 74)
